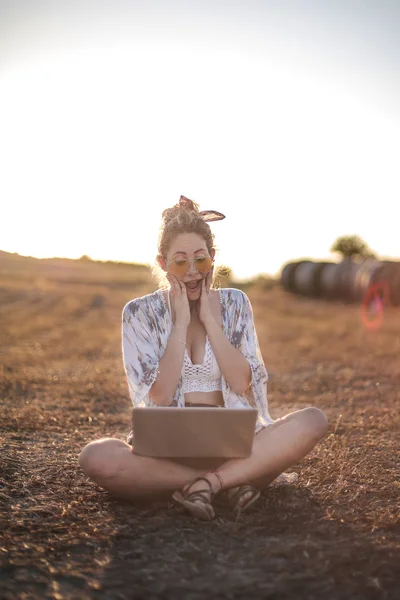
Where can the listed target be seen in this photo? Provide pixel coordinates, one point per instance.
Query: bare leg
(275, 448)
(113, 466)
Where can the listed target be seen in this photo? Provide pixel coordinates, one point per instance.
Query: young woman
(188, 344)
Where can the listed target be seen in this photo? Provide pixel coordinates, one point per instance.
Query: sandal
(235, 494)
(202, 510)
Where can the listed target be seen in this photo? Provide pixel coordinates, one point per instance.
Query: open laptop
(195, 432)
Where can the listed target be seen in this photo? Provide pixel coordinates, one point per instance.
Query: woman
(192, 345)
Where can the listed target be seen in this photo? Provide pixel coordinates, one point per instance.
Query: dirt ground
(334, 534)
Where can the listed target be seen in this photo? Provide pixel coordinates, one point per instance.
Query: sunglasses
(180, 266)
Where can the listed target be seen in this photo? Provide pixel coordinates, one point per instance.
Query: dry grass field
(334, 534)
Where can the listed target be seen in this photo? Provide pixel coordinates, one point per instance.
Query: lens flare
(376, 297)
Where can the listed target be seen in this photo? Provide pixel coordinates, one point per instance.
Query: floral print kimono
(146, 327)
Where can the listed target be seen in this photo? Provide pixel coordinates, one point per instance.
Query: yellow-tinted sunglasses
(180, 266)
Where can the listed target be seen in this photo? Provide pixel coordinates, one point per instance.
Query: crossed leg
(114, 467)
(275, 448)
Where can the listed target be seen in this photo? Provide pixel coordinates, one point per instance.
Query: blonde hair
(183, 217)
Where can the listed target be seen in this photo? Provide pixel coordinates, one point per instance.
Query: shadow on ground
(284, 548)
(66, 538)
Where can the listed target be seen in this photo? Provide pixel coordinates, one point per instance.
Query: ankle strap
(218, 476)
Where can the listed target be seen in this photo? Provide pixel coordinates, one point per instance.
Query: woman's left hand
(205, 313)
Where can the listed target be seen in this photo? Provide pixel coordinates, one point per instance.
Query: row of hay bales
(349, 280)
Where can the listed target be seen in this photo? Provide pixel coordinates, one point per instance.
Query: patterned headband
(207, 215)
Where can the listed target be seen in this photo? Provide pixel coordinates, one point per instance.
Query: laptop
(196, 432)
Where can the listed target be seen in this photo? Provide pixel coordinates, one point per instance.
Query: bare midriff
(214, 398)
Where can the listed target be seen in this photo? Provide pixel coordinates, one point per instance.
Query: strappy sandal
(235, 494)
(202, 510)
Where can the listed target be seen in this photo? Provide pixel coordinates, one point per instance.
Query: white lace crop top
(204, 377)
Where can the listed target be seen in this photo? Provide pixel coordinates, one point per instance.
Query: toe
(245, 498)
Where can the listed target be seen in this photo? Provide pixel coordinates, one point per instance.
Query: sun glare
(97, 142)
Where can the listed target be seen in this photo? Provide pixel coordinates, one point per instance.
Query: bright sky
(283, 115)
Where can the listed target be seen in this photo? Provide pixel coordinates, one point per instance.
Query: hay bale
(287, 275)
(389, 275)
(307, 278)
(328, 281)
(364, 277)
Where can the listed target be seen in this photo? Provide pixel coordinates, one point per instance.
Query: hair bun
(184, 204)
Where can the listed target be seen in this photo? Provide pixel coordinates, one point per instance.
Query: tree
(352, 245)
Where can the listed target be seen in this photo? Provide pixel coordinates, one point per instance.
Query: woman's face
(188, 246)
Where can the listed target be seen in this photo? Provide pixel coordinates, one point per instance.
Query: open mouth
(193, 286)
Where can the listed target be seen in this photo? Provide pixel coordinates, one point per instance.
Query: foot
(197, 496)
(241, 497)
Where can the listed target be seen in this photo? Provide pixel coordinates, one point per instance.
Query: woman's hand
(179, 301)
(205, 313)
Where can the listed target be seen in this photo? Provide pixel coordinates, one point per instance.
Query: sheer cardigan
(146, 327)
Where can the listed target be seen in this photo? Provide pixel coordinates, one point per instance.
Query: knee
(316, 422)
(89, 458)
(96, 461)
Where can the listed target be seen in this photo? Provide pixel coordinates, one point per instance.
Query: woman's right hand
(179, 301)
